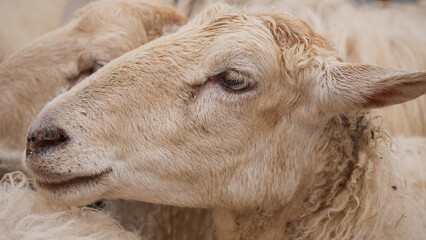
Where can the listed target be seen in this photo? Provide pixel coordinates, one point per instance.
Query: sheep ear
(365, 87)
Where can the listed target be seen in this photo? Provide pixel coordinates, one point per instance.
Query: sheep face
(227, 112)
(58, 60)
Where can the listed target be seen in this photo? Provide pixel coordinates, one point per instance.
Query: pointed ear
(355, 87)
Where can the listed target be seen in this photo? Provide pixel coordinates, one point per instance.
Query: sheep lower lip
(73, 182)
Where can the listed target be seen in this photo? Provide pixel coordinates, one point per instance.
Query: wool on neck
(350, 195)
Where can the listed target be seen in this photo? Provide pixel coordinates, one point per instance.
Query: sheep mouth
(74, 182)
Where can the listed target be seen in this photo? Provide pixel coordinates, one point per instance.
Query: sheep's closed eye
(85, 73)
(88, 71)
(234, 81)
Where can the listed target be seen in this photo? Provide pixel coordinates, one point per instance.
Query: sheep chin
(73, 182)
(78, 191)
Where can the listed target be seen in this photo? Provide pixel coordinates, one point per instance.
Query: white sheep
(250, 113)
(312, 10)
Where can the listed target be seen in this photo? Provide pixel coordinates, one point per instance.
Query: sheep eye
(84, 74)
(87, 72)
(234, 81)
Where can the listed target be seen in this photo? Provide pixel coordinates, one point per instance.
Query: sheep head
(227, 112)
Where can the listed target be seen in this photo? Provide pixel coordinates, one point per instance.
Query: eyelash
(217, 81)
(227, 79)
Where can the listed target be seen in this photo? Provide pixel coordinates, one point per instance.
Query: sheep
(249, 113)
(19, 153)
(25, 214)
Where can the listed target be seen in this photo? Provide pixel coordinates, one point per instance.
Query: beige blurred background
(23, 20)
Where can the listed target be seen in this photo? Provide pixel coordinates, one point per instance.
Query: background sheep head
(228, 112)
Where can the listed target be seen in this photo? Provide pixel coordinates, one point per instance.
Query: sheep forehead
(272, 30)
(251, 53)
(235, 42)
(223, 15)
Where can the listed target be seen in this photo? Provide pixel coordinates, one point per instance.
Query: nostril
(45, 139)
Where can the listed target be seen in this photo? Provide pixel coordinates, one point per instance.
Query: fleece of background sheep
(25, 215)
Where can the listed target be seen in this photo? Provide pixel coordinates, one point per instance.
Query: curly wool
(26, 215)
(361, 184)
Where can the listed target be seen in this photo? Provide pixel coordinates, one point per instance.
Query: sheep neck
(337, 200)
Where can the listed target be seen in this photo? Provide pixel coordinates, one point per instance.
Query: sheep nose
(47, 139)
